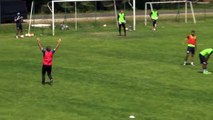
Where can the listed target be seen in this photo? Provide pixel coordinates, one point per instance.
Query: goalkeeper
(154, 16)
(122, 22)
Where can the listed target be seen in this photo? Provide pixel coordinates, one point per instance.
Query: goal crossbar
(78, 0)
(166, 2)
(75, 1)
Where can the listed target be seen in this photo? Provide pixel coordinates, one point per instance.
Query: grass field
(101, 76)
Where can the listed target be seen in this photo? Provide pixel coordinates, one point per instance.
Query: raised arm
(16, 18)
(39, 43)
(58, 43)
(185, 41)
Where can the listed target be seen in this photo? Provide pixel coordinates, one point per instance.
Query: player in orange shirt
(191, 47)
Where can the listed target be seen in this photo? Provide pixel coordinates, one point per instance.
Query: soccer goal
(185, 2)
(37, 22)
(51, 6)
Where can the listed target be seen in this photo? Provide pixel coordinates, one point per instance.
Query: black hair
(48, 48)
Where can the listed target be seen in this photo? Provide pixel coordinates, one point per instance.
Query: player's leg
(192, 59)
(204, 66)
(20, 30)
(154, 24)
(119, 29)
(124, 27)
(43, 74)
(187, 55)
(17, 31)
(192, 55)
(186, 59)
(204, 63)
(49, 73)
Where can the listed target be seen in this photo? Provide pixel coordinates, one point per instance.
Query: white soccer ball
(32, 34)
(127, 28)
(131, 116)
(21, 36)
(104, 25)
(26, 35)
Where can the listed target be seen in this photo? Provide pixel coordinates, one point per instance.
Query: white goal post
(75, 1)
(165, 2)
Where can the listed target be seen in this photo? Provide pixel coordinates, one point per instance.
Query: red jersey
(47, 57)
(191, 40)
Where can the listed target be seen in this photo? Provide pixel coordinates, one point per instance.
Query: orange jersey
(191, 40)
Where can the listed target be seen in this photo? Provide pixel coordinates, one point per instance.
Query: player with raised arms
(47, 60)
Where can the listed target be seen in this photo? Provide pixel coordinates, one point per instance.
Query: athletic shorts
(18, 26)
(154, 22)
(190, 50)
(202, 59)
(46, 68)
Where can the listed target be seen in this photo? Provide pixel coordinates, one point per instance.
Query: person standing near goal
(204, 57)
(18, 20)
(191, 47)
(47, 60)
(122, 22)
(154, 16)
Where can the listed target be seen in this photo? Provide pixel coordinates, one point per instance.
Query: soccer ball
(26, 35)
(104, 25)
(21, 36)
(64, 27)
(127, 29)
(131, 116)
(32, 34)
(29, 35)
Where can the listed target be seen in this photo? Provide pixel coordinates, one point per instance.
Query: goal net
(184, 3)
(75, 15)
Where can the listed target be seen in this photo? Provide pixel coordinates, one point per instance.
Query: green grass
(101, 76)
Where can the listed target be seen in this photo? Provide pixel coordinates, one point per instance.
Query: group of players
(204, 55)
(191, 41)
(48, 52)
(191, 47)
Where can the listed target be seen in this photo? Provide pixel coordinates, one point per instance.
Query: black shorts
(122, 24)
(190, 50)
(154, 22)
(18, 26)
(46, 68)
(202, 59)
